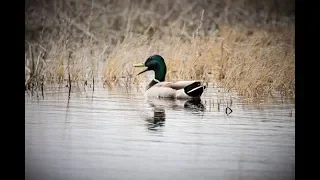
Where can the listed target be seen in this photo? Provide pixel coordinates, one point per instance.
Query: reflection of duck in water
(159, 106)
(192, 104)
(159, 116)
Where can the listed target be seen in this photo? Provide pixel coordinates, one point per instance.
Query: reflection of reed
(66, 118)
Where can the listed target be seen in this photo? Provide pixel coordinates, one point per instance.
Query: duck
(158, 87)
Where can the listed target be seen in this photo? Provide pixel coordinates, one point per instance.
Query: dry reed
(255, 64)
(245, 45)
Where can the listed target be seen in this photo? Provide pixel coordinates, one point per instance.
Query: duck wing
(190, 88)
(182, 84)
(178, 89)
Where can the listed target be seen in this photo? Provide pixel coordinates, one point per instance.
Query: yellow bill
(139, 65)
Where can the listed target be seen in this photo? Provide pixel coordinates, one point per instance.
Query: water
(116, 134)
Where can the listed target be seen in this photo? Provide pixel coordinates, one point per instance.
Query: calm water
(120, 135)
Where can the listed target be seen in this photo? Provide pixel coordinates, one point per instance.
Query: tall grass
(257, 64)
(245, 45)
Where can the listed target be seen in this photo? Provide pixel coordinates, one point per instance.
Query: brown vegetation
(246, 45)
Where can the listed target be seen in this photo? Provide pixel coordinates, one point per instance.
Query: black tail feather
(195, 89)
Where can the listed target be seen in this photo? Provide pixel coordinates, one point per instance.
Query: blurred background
(102, 38)
(110, 21)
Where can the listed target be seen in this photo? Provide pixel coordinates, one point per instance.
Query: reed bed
(243, 45)
(254, 65)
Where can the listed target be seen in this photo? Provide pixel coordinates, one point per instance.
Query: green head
(157, 64)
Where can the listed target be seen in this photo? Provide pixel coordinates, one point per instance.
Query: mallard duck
(158, 87)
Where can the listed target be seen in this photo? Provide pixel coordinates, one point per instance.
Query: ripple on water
(120, 135)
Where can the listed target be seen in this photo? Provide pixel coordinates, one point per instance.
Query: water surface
(118, 134)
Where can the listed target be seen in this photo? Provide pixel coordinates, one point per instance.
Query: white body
(166, 90)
